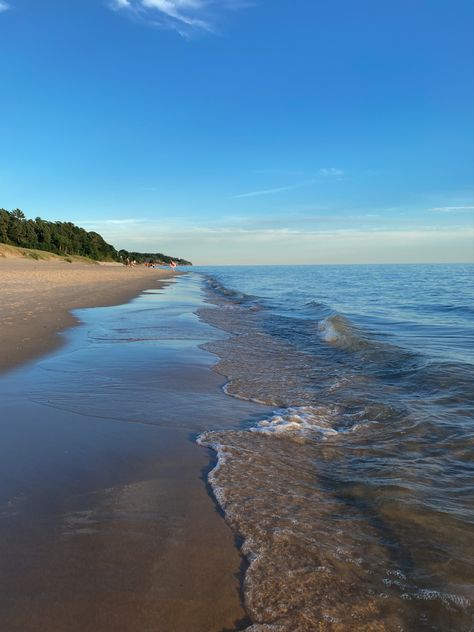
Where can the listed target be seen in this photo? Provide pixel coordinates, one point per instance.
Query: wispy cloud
(4, 6)
(280, 172)
(250, 239)
(452, 209)
(330, 172)
(111, 222)
(272, 191)
(183, 16)
(326, 172)
(236, 246)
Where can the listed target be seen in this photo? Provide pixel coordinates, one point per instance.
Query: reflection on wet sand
(105, 521)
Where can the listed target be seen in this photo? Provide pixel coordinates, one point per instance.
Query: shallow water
(105, 521)
(354, 498)
(350, 483)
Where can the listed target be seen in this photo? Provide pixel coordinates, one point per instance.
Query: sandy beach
(106, 521)
(37, 296)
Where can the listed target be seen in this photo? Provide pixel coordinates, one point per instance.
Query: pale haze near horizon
(208, 247)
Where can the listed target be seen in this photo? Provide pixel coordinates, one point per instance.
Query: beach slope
(37, 296)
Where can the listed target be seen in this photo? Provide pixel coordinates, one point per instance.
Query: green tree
(18, 214)
(4, 221)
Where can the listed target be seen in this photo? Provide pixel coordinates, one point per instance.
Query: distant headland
(65, 239)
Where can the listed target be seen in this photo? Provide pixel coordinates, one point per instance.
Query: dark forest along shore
(354, 498)
(105, 520)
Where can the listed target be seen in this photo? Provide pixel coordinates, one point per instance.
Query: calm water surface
(355, 497)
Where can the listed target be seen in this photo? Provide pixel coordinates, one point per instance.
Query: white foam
(340, 332)
(327, 331)
(426, 594)
(212, 440)
(228, 384)
(298, 422)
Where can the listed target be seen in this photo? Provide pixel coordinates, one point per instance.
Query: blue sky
(232, 131)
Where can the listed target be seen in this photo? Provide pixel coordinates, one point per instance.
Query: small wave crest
(317, 307)
(228, 293)
(339, 331)
(302, 423)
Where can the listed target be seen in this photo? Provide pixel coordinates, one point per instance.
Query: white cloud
(183, 16)
(330, 172)
(271, 191)
(4, 6)
(183, 11)
(452, 209)
(279, 172)
(110, 222)
(249, 239)
(233, 245)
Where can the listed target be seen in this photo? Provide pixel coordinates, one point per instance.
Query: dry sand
(36, 296)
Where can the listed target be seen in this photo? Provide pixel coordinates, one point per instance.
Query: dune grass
(7, 251)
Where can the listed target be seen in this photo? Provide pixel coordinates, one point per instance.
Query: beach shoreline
(37, 299)
(111, 524)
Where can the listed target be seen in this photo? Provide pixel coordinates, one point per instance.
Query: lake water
(105, 522)
(354, 498)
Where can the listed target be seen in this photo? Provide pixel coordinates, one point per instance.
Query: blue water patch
(429, 308)
(362, 476)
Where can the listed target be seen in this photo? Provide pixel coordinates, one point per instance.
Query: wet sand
(36, 298)
(118, 538)
(106, 522)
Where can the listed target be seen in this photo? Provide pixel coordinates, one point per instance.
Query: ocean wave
(229, 293)
(337, 329)
(332, 494)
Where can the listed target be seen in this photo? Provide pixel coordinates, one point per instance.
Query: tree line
(64, 238)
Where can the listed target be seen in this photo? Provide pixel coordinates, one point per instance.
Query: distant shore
(37, 298)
